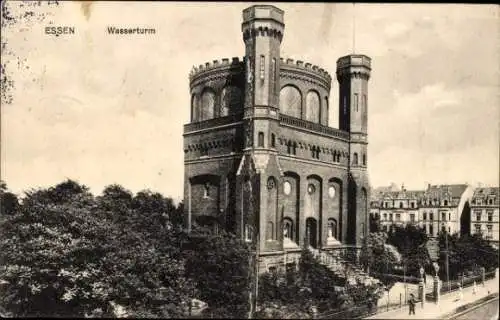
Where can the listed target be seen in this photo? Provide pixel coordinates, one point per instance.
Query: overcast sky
(105, 109)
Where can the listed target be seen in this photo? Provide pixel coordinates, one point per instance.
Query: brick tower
(353, 73)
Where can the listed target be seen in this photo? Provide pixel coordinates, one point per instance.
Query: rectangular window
(356, 102)
(248, 233)
(385, 216)
(273, 77)
(443, 216)
(425, 216)
(478, 216)
(273, 140)
(261, 139)
(398, 217)
(478, 228)
(449, 216)
(262, 67)
(364, 104)
(490, 216)
(490, 231)
(412, 217)
(431, 216)
(390, 216)
(431, 230)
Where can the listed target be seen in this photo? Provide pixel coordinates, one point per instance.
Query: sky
(103, 109)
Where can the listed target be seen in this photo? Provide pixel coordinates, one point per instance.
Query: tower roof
(263, 12)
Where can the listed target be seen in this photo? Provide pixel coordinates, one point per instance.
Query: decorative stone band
(289, 68)
(263, 32)
(216, 68)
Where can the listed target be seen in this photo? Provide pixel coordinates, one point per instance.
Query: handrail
(301, 123)
(215, 122)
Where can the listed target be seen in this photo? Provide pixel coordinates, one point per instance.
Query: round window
(311, 189)
(287, 187)
(331, 191)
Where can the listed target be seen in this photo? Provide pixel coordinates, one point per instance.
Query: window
(364, 159)
(261, 139)
(289, 147)
(478, 216)
(390, 216)
(385, 216)
(364, 104)
(412, 205)
(490, 216)
(425, 216)
(288, 228)
(449, 216)
(443, 228)
(478, 228)
(206, 191)
(355, 158)
(489, 235)
(294, 148)
(479, 201)
(445, 202)
(431, 216)
(262, 67)
(412, 217)
(332, 228)
(248, 233)
(273, 76)
(398, 217)
(490, 201)
(443, 216)
(356, 107)
(449, 229)
(273, 140)
(431, 229)
(401, 205)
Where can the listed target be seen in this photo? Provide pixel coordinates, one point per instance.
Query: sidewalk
(447, 304)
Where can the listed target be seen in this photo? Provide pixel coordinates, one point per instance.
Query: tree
(67, 254)
(220, 266)
(9, 202)
(410, 242)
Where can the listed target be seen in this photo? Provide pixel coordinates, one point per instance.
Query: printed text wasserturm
(114, 30)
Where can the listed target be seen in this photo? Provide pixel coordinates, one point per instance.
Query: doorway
(312, 232)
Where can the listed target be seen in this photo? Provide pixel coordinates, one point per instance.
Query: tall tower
(353, 73)
(262, 30)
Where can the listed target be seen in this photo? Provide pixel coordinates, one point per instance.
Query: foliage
(9, 202)
(374, 222)
(410, 242)
(466, 254)
(221, 267)
(68, 253)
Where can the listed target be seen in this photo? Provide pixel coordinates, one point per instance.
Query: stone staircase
(342, 268)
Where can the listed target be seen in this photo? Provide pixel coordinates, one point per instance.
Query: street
(488, 311)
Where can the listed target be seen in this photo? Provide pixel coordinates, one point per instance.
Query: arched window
(312, 107)
(273, 140)
(324, 112)
(291, 101)
(287, 228)
(194, 108)
(261, 139)
(332, 228)
(206, 191)
(445, 202)
(355, 158)
(207, 105)
(401, 205)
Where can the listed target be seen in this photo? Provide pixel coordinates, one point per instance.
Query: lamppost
(436, 282)
(421, 291)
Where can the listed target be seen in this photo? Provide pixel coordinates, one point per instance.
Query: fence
(453, 285)
(395, 277)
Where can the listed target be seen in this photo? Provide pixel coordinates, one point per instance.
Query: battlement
(354, 60)
(215, 64)
(299, 64)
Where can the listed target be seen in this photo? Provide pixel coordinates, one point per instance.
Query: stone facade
(485, 213)
(260, 158)
(438, 208)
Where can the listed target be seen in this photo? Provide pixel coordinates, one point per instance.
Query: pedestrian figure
(474, 288)
(412, 302)
(460, 293)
